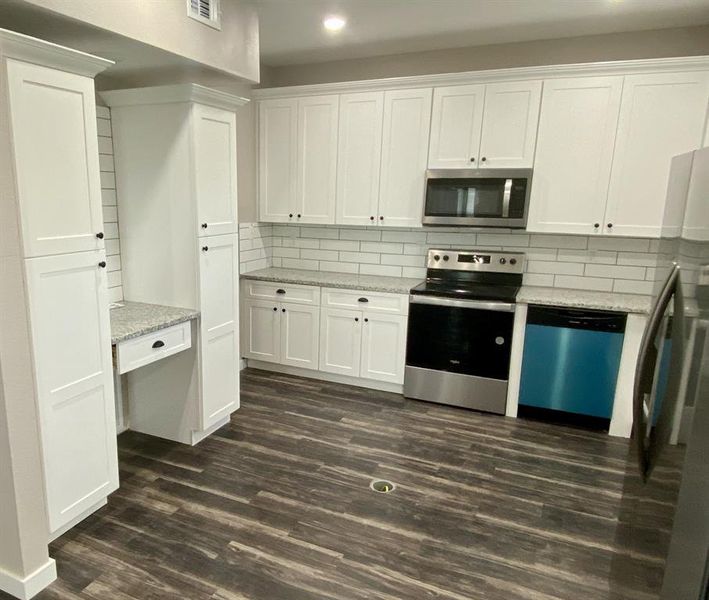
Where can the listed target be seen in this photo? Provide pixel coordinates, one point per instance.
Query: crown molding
(170, 94)
(624, 67)
(29, 49)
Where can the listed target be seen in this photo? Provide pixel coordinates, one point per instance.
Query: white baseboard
(372, 384)
(28, 587)
(242, 364)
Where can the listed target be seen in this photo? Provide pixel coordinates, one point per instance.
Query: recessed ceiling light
(334, 23)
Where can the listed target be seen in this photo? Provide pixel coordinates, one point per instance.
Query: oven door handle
(455, 303)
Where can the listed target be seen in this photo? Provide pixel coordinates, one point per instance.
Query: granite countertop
(132, 319)
(629, 303)
(350, 281)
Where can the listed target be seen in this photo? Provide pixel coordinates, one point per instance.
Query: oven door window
(460, 340)
(476, 198)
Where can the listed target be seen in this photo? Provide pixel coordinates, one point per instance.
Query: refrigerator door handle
(644, 372)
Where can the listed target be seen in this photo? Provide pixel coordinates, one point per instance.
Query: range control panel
(476, 260)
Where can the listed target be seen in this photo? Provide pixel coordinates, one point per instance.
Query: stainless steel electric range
(460, 329)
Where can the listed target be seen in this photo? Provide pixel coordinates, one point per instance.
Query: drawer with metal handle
(281, 292)
(140, 351)
(380, 302)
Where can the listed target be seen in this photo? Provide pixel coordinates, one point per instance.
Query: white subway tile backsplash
(102, 112)
(383, 247)
(417, 272)
(627, 286)
(103, 127)
(105, 162)
(297, 263)
(368, 235)
(105, 145)
(552, 260)
(554, 268)
(615, 272)
(620, 244)
(347, 245)
(108, 180)
(583, 283)
(108, 197)
(360, 257)
(339, 267)
(539, 240)
(389, 271)
(540, 279)
(403, 260)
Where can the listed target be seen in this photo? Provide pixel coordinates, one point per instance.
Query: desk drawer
(282, 292)
(148, 348)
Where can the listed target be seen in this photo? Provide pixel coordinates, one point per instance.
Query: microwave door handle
(506, 198)
(644, 371)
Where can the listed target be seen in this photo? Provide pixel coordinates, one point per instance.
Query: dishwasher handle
(573, 318)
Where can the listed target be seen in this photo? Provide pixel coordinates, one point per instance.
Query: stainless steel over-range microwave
(477, 197)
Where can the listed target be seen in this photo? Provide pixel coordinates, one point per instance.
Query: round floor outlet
(382, 486)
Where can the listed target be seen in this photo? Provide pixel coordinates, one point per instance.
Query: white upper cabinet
(509, 130)
(661, 116)
(407, 115)
(68, 307)
(574, 153)
(278, 132)
(316, 158)
(492, 125)
(218, 294)
(53, 117)
(358, 158)
(456, 123)
(215, 169)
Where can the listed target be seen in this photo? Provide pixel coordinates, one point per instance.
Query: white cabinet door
(358, 157)
(340, 341)
(661, 116)
(300, 339)
(53, 116)
(68, 299)
(456, 123)
(572, 165)
(407, 115)
(219, 327)
(278, 131)
(316, 159)
(509, 131)
(383, 347)
(214, 133)
(261, 330)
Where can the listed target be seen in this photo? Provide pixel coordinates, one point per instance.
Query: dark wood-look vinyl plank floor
(277, 506)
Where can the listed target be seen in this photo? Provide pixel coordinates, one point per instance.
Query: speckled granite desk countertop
(132, 319)
(350, 281)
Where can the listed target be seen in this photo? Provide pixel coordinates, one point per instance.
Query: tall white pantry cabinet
(175, 154)
(50, 102)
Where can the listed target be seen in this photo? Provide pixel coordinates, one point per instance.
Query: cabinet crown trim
(36, 51)
(168, 94)
(623, 67)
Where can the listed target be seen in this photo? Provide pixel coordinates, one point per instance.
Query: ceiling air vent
(205, 11)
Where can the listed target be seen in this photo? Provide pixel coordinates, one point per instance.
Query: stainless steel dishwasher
(571, 360)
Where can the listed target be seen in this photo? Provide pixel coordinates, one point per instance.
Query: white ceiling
(292, 32)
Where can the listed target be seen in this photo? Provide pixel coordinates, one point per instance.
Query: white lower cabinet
(69, 317)
(363, 344)
(281, 332)
(340, 341)
(383, 347)
(299, 335)
(353, 333)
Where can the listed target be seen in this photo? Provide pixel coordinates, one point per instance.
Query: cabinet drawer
(282, 292)
(393, 304)
(143, 350)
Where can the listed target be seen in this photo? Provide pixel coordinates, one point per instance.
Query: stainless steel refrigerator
(664, 519)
